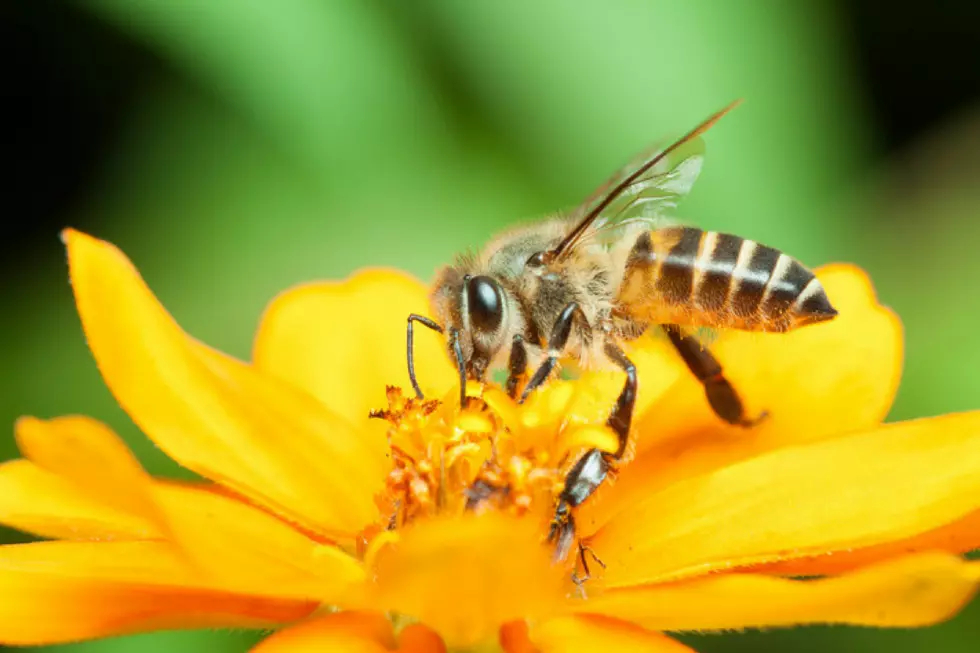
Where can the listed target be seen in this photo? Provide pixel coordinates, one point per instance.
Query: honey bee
(577, 286)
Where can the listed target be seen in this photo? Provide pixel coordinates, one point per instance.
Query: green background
(302, 139)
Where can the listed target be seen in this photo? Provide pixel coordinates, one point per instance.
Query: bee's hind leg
(722, 397)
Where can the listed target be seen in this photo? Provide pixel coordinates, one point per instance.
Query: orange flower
(352, 532)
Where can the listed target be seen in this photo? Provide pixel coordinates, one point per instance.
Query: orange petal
(464, 577)
(247, 550)
(417, 638)
(87, 453)
(217, 416)
(587, 633)
(344, 342)
(917, 590)
(515, 638)
(357, 632)
(54, 592)
(816, 382)
(860, 490)
(36, 501)
(960, 536)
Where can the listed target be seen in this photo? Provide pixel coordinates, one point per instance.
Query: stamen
(490, 455)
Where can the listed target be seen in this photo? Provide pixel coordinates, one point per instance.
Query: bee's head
(473, 309)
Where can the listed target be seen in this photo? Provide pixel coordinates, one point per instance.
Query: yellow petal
(86, 453)
(54, 592)
(244, 549)
(464, 577)
(36, 501)
(357, 632)
(817, 382)
(345, 342)
(588, 633)
(217, 416)
(917, 590)
(960, 536)
(860, 490)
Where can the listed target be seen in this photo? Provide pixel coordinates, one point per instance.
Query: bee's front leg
(410, 337)
(517, 365)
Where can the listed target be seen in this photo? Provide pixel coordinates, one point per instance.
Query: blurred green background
(235, 147)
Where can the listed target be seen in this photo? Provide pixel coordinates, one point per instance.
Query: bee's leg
(586, 572)
(581, 482)
(460, 365)
(517, 365)
(432, 324)
(562, 532)
(722, 397)
(622, 413)
(556, 343)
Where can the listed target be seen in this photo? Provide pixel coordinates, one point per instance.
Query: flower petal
(345, 342)
(917, 590)
(960, 536)
(217, 416)
(860, 490)
(36, 501)
(464, 577)
(247, 550)
(103, 493)
(357, 632)
(587, 633)
(54, 592)
(817, 382)
(88, 454)
(417, 638)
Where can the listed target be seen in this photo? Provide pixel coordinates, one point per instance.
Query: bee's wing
(652, 195)
(645, 189)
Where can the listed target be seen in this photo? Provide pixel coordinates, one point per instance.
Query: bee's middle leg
(591, 470)
(560, 332)
(721, 395)
(622, 413)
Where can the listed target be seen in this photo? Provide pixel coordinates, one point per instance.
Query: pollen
(448, 460)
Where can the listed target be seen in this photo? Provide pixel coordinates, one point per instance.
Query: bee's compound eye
(485, 303)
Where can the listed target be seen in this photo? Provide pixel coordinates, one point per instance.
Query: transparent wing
(646, 201)
(660, 188)
(645, 189)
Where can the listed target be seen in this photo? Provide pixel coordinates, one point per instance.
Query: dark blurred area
(219, 162)
(73, 80)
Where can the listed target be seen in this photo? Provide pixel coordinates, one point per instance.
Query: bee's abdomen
(684, 275)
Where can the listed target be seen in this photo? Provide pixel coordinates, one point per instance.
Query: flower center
(447, 460)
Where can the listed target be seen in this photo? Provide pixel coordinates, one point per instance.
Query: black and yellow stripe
(714, 279)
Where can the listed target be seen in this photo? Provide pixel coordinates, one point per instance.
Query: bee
(578, 286)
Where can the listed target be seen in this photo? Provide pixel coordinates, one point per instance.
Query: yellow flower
(352, 532)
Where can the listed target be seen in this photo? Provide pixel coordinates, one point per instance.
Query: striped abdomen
(683, 275)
